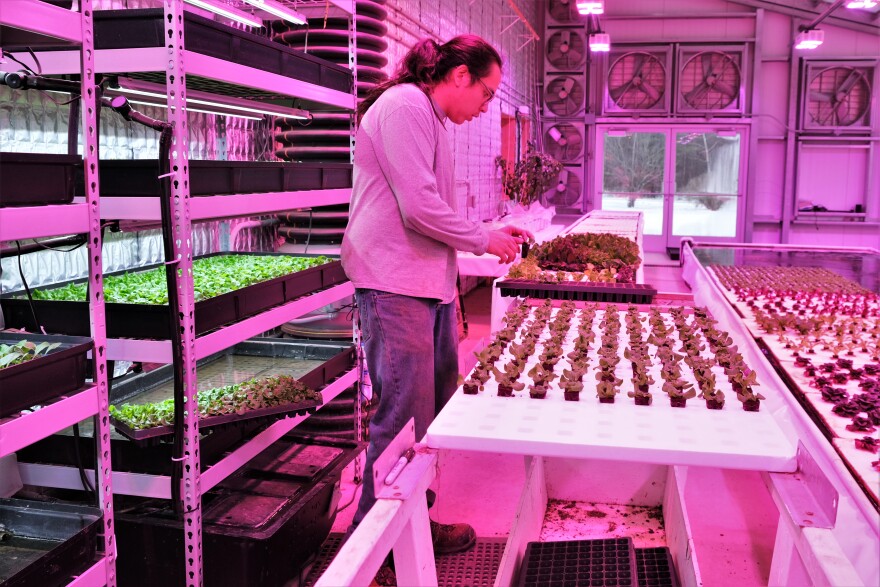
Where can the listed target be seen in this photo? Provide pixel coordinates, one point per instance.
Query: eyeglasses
(488, 91)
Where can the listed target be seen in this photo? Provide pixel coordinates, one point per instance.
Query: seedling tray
(139, 178)
(48, 542)
(36, 179)
(633, 293)
(259, 525)
(128, 29)
(315, 379)
(655, 567)
(597, 563)
(61, 371)
(152, 320)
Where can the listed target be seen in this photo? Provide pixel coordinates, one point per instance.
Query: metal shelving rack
(177, 63)
(45, 20)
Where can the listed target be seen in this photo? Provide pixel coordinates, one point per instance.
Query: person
(399, 248)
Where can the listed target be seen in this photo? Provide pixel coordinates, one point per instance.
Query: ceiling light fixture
(276, 9)
(600, 42)
(864, 4)
(227, 11)
(591, 7)
(809, 39)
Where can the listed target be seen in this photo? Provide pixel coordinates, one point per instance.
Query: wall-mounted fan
(637, 82)
(566, 50)
(838, 96)
(564, 95)
(710, 81)
(564, 142)
(568, 189)
(564, 12)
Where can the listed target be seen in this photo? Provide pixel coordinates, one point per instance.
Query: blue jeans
(412, 354)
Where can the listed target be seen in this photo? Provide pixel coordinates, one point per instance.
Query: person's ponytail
(428, 63)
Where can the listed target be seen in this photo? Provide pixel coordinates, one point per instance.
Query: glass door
(686, 181)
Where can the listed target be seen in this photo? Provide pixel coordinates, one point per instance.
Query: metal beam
(864, 22)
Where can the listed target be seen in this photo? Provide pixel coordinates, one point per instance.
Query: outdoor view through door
(686, 181)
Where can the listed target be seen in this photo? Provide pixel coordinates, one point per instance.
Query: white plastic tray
(660, 434)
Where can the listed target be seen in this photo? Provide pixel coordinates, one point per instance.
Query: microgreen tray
(635, 293)
(152, 320)
(47, 376)
(315, 379)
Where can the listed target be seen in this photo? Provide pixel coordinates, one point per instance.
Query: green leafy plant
(240, 398)
(24, 351)
(526, 180)
(212, 276)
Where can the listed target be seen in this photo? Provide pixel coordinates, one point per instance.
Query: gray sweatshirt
(403, 229)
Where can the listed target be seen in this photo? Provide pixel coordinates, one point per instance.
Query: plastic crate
(621, 293)
(126, 29)
(655, 567)
(590, 563)
(35, 179)
(61, 371)
(45, 543)
(152, 321)
(258, 526)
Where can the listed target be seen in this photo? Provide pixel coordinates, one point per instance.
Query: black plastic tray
(610, 561)
(258, 526)
(315, 379)
(60, 372)
(36, 179)
(635, 293)
(50, 542)
(127, 29)
(139, 178)
(655, 567)
(152, 321)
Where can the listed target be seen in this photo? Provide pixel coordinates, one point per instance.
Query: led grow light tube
(278, 10)
(188, 109)
(139, 88)
(591, 7)
(227, 12)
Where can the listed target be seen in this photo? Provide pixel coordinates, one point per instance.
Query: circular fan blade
(821, 97)
(707, 63)
(726, 89)
(567, 87)
(619, 91)
(652, 92)
(691, 96)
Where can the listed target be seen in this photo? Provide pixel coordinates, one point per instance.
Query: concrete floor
(733, 518)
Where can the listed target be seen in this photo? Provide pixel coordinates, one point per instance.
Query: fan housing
(637, 81)
(837, 96)
(564, 142)
(564, 12)
(711, 80)
(566, 50)
(564, 95)
(569, 189)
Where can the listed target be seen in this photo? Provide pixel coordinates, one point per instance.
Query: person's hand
(503, 245)
(520, 234)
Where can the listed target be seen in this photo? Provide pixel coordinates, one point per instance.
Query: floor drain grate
(475, 568)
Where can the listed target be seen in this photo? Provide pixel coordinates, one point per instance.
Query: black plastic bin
(35, 179)
(258, 526)
(126, 29)
(152, 321)
(61, 371)
(45, 543)
(609, 562)
(621, 293)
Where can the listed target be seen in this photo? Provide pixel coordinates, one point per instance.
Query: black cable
(9, 55)
(87, 486)
(27, 290)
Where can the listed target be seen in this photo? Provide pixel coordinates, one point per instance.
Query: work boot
(451, 538)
